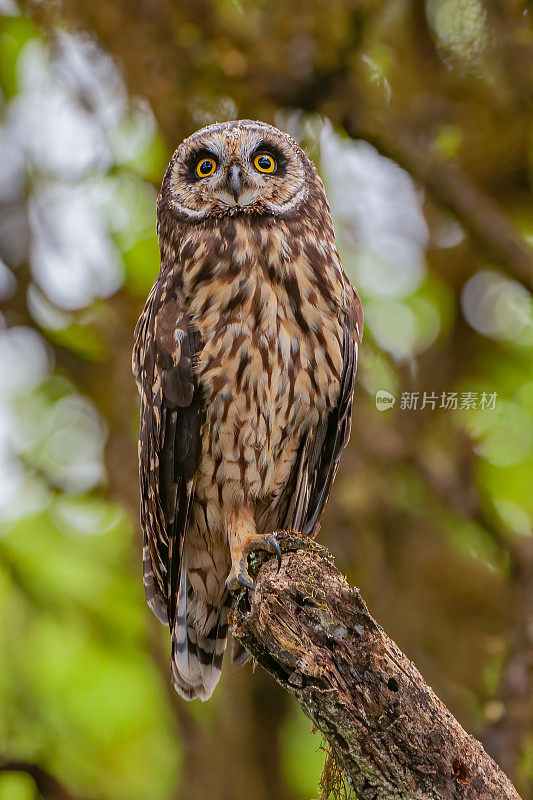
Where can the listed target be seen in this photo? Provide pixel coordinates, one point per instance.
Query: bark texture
(387, 729)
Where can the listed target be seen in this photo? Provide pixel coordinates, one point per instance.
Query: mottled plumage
(245, 356)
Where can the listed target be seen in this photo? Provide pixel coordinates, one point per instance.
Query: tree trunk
(390, 734)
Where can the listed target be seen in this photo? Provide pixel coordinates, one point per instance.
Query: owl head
(237, 168)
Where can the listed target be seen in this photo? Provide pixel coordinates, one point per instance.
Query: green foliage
(303, 758)
(77, 684)
(15, 33)
(17, 786)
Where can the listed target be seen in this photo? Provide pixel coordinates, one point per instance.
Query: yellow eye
(264, 163)
(206, 167)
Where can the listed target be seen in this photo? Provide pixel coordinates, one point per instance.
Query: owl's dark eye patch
(266, 150)
(201, 164)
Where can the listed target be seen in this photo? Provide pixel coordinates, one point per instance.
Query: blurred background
(418, 115)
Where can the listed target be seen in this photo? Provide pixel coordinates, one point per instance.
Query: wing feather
(169, 442)
(302, 503)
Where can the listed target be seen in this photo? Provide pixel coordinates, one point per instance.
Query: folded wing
(169, 442)
(302, 503)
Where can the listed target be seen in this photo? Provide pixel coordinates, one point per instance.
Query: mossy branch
(387, 730)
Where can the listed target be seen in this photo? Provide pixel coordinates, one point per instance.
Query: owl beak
(235, 181)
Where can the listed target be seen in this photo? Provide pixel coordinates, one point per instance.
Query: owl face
(235, 168)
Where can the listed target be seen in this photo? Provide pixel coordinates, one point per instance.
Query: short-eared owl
(245, 356)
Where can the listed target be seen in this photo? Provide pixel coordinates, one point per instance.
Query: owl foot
(239, 576)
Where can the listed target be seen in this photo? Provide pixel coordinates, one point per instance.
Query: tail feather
(197, 651)
(239, 655)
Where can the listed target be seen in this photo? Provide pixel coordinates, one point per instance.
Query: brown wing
(308, 489)
(169, 441)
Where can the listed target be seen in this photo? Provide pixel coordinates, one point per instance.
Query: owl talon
(245, 583)
(276, 548)
(239, 577)
(269, 544)
(241, 580)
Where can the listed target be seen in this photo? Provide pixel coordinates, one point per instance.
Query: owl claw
(245, 583)
(276, 548)
(270, 544)
(239, 578)
(237, 581)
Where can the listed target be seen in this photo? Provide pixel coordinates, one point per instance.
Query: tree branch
(47, 785)
(385, 726)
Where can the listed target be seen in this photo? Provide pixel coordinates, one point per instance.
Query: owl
(245, 357)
